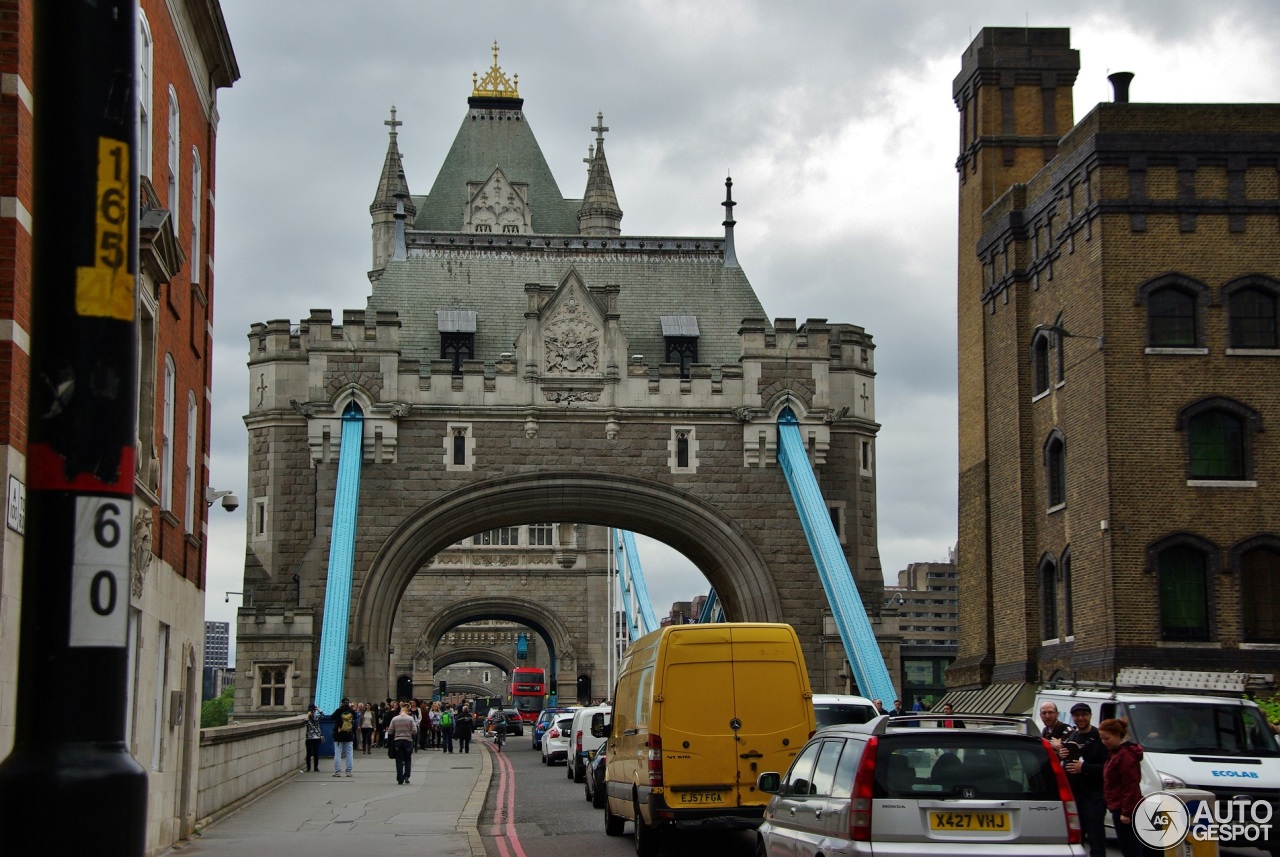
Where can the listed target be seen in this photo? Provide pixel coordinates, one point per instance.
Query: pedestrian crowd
(401, 728)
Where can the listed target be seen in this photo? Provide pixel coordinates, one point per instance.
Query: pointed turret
(599, 214)
(392, 203)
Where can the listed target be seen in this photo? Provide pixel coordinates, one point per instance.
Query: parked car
(515, 726)
(594, 780)
(830, 709)
(582, 742)
(989, 786)
(544, 720)
(557, 740)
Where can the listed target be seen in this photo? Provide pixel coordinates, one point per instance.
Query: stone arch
(472, 655)
(724, 553)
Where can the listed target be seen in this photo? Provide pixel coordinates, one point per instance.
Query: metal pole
(81, 415)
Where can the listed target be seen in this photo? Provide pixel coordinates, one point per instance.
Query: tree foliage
(215, 712)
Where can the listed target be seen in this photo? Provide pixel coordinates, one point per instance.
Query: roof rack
(929, 720)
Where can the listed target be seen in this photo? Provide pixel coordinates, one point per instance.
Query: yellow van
(699, 711)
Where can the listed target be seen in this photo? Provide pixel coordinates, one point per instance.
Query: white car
(582, 743)
(555, 741)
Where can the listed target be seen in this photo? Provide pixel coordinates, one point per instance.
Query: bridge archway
(721, 550)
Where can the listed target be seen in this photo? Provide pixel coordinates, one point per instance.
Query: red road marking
(505, 836)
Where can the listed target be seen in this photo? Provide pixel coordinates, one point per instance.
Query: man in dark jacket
(344, 736)
(1083, 758)
(1053, 727)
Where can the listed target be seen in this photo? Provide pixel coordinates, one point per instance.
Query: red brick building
(1118, 289)
(184, 58)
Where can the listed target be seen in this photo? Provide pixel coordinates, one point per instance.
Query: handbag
(391, 749)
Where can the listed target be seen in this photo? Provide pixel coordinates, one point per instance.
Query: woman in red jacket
(1121, 777)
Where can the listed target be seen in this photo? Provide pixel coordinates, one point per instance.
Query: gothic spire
(599, 214)
(391, 203)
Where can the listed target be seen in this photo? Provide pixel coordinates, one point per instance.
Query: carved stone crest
(572, 341)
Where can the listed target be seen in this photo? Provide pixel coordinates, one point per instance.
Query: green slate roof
(491, 282)
(496, 137)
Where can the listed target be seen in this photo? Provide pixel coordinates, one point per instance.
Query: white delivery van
(1209, 738)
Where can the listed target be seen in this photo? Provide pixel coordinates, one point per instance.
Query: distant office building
(217, 639)
(928, 608)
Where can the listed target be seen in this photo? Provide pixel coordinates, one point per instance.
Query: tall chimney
(1120, 83)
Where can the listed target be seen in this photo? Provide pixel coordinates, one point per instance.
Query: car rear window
(833, 713)
(964, 765)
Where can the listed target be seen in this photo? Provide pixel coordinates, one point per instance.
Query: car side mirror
(599, 727)
(769, 782)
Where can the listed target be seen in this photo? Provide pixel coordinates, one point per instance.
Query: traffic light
(444, 688)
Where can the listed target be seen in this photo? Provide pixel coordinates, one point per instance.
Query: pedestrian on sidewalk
(434, 717)
(344, 737)
(403, 733)
(462, 729)
(446, 728)
(314, 738)
(366, 728)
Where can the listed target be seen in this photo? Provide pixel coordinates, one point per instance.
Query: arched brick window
(1257, 561)
(1055, 466)
(1182, 564)
(1174, 303)
(1047, 575)
(1220, 433)
(1251, 305)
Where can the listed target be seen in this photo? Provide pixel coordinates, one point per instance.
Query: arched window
(1251, 304)
(1173, 304)
(1172, 319)
(1047, 575)
(1068, 612)
(193, 418)
(1055, 466)
(197, 181)
(166, 433)
(459, 446)
(174, 155)
(1182, 566)
(1219, 438)
(1040, 371)
(1258, 563)
(682, 449)
(144, 95)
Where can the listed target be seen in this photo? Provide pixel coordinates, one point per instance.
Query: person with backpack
(446, 728)
(344, 737)
(462, 729)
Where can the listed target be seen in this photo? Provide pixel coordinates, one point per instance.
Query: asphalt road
(536, 811)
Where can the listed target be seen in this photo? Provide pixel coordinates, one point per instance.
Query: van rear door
(699, 752)
(770, 702)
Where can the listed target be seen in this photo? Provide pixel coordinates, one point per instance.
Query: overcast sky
(834, 118)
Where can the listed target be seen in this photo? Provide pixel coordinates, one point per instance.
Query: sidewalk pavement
(318, 815)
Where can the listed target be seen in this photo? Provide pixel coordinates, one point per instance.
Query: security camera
(228, 598)
(230, 502)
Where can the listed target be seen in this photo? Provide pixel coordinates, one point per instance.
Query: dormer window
(457, 336)
(680, 341)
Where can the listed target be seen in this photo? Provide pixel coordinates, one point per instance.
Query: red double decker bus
(528, 691)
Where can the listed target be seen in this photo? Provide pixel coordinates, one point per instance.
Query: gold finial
(494, 84)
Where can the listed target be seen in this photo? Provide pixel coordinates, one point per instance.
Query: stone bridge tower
(524, 367)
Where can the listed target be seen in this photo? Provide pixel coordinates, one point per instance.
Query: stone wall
(238, 762)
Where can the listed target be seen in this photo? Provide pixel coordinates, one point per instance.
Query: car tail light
(860, 803)
(1065, 795)
(554, 733)
(655, 761)
(577, 742)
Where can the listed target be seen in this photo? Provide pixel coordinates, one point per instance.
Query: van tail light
(577, 742)
(860, 804)
(1065, 795)
(655, 761)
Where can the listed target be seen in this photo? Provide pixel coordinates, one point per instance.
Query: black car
(594, 780)
(515, 726)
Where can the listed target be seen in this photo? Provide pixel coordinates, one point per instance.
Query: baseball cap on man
(1080, 706)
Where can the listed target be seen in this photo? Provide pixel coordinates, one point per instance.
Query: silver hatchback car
(910, 786)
